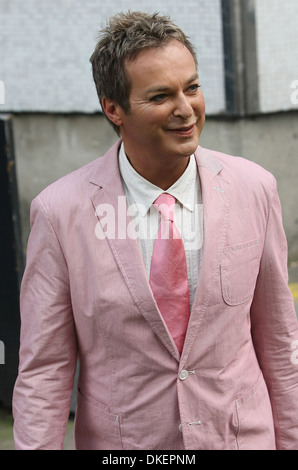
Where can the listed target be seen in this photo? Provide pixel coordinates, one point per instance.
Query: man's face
(167, 108)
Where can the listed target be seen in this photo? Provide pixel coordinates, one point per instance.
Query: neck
(161, 174)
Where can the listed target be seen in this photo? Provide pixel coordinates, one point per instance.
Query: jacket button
(183, 375)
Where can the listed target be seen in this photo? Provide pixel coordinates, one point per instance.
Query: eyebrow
(160, 88)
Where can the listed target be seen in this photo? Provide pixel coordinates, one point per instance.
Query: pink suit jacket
(235, 385)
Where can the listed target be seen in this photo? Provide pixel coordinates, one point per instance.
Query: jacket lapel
(108, 193)
(216, 204)
(110, 206)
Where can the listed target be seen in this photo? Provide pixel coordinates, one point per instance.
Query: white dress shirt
(141, 194)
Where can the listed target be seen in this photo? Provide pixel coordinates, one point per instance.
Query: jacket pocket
(254, 419)
(96, 428)
(239, 270)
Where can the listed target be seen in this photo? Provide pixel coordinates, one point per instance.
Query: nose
(183, 108)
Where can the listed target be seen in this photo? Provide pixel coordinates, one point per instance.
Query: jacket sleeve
(274, 329)
(42, 393)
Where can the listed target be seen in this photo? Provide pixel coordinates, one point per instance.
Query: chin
(188, 148)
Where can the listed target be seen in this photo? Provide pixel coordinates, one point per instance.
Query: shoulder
(65, 191)
(75, 185)
(238, 170)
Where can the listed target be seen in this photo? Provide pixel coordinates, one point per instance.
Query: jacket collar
(107, 174)
(215, 194)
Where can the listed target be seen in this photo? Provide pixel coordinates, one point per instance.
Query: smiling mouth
(183, 130)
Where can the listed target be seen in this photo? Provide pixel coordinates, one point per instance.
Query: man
(218, 374)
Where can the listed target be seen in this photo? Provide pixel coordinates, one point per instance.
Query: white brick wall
(45, 47)
(277, 49)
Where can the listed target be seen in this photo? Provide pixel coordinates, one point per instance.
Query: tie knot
(165, 204)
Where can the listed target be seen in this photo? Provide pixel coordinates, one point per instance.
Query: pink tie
(168, 274)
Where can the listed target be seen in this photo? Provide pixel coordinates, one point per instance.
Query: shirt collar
(144, 193)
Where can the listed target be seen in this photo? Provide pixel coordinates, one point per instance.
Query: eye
(194, 88)
(158, 98)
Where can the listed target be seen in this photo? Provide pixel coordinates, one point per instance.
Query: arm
(274, 329)
(42, 393)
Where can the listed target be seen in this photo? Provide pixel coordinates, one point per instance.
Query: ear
(112, 111)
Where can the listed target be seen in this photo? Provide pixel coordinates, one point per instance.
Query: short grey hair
(125, 35)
